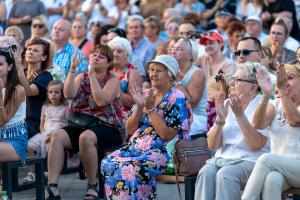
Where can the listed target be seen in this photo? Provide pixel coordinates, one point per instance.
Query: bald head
(61, 32)
(186, 29)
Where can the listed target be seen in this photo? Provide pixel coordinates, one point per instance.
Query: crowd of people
(87, 75)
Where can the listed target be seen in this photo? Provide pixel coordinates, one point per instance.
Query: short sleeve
(42, 80)
(43, 111)
(178, 113)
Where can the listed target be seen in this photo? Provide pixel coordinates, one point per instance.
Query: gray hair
(191, 46)
(135, 17)
(121, 43)
(250, 69)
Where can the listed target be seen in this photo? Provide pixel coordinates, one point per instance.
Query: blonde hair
(250, 69)
(44, 20)
(292, 68)
(15, 29)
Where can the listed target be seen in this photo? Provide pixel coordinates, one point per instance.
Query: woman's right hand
(281, 83)
(264, 82)
(75, 61)
(221, 109)
(137, 95)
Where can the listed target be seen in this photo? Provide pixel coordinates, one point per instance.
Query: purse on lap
(82, 121)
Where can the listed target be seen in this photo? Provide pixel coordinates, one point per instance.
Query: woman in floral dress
(159, 115)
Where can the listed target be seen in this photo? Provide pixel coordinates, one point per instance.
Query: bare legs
(7, 153)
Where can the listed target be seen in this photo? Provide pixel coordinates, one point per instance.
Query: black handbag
(82, 121)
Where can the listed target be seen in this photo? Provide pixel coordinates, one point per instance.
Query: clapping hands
(264, 82)
(137, 95)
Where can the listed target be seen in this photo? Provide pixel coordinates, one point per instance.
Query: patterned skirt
(16, 135)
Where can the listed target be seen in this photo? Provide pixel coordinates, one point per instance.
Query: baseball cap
(223, 12)
(253, 18)
(168, 61)
(213, 36)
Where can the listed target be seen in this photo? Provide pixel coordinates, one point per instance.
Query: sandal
(30, 178)
(50, 192)
(93, 187)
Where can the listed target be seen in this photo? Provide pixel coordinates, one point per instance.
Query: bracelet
(220, 123)
(150, 111)
(240, 119)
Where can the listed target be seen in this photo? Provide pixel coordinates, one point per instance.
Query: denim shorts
(16, 135)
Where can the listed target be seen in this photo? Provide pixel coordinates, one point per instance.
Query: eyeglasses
(239, 80)
(39, 26)
(244, 52)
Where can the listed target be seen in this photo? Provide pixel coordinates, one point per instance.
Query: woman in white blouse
(277, 171)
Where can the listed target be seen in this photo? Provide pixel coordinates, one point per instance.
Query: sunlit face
(55, 94)
(158, 75)
(171, 47)
(253, 28)
(78, 30)
(277, 34)
(4, 67)
(135, 29)
(182, 52)
(221, 21)
(100, 61)
(38, 28)
(185, 30)
(35, 54)
(111, 36)
(14, 34)
(120, 56)
(240, 84)
(212, 47)
(254, 56)
(173, 30)
(294, 85)
(60, 32)
(150, 30)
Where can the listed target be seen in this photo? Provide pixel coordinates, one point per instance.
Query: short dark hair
(257, 43)
(106, 51)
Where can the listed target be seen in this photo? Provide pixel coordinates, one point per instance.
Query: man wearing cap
(193, 85)
(221, 20)
(254, 28)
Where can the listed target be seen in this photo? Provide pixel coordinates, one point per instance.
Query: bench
(10, 183)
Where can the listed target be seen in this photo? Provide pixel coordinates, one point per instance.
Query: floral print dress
(130, 171)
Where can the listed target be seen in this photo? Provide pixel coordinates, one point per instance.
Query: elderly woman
(237, 143)
(124, 70)
(95, 98)
(278, 170)
(212, 63)
(161, 114)
(13, 133)
(15, 32)
(40, 26)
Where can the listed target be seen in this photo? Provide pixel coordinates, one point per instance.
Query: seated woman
(13, 132)
(236, 142)
(95, 97)
(161, 114)
(278, 170)
(35, 80)
(124, 70)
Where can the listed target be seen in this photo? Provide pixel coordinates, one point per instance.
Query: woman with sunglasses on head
(40, 27)
(13, 132)
(236, 142)
(278, 170)
(35, 80)
(213, 63)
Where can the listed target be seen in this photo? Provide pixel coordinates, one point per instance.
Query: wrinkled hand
(221, 109)
(281, 83)
(137, 95)
(150, 100)
(236, 105)
(264, 82)
(75, 61)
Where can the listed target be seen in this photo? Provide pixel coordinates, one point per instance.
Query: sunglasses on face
(244, 52)
(39, 26)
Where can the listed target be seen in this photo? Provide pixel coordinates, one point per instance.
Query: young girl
(53, 116)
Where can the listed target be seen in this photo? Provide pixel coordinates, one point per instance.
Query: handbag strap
(176, 173)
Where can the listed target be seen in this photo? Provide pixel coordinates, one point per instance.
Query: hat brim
(154, 61)
(203, 40)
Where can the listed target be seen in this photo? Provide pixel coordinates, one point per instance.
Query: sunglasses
(39, 26)
(244, 52)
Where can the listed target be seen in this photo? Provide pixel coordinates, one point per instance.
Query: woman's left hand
(91, 71)
(150, 100)
(281, 83)
(137, 95)
(236, 105)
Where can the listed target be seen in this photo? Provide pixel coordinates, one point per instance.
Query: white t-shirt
(233, 144)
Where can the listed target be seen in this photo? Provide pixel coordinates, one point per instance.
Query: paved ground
(72, 188)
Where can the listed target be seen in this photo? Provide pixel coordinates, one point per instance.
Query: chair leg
(7, 179)
(40, 182)
(101, 185)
